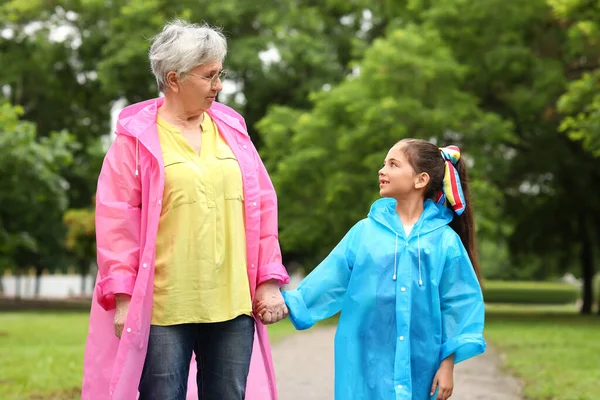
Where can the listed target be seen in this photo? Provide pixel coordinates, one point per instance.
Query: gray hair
(182, 46)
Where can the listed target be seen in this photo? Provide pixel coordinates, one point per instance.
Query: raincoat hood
(435, 216)
(132, 124)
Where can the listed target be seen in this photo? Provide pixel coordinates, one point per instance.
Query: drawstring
(418, 255)
(137, 152)
(395, 258)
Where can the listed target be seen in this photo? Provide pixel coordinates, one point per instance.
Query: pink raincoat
(133, 174)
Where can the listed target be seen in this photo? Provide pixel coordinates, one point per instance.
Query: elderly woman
(186, 222)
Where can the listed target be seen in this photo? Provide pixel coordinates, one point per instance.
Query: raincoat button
(401, 338)
(144, 265)
(160, 202)
(406, 244)
(399, 386)
(403, 289)
(254, 204)
(244, 146)
(251, 265)
(128, 330)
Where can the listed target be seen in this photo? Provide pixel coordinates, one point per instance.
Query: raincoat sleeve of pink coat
(127, 211)
(118, 202)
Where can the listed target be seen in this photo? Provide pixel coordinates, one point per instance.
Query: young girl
(405, 280)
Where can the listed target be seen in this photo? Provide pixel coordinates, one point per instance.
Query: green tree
(81, 239)
(516, 60)
(33, 196)
(277, 54)
(49, 69)
(580, 106)
(324, 162)
(520, 57)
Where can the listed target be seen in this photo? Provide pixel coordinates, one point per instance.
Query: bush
(530, 292)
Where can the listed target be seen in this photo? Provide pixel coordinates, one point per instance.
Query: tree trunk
(587, 265)
(84, 270)
(598, 283)
(17, 283)
(38, 279)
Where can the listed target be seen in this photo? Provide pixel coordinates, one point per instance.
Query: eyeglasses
(212, 80)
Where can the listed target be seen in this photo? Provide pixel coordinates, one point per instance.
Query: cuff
(299, 314)
(463, 347)
(107, 288)
(275, 271)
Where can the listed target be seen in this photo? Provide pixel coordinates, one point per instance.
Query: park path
(304, 369)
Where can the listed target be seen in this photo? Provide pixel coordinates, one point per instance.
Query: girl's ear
(421, 180)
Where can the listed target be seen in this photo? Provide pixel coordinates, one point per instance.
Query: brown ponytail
(464, 224)
(426, 157)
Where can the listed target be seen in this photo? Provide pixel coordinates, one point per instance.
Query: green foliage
(581, 105)
(515, 292)
(33, 191)
(81, 234)
(408, 86)
(312, 47)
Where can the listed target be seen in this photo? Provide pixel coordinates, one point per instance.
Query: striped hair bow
(452, 192)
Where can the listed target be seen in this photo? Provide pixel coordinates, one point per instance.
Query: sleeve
(118, 213)
(462, 307)
(270, 264)
(321, 294)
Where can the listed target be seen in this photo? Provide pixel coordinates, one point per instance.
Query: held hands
(121, 313)
(269, 305)
(444, 379)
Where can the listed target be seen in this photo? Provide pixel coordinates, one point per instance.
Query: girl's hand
(444, 379)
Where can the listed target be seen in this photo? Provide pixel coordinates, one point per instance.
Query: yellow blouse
(200, 271)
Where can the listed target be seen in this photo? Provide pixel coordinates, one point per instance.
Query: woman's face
(199, 88)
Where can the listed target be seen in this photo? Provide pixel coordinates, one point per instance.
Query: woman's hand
(121, 313)
(269, 305)
(444, 379)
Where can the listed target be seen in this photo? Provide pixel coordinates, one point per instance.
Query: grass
(41, 355)
(280, 330)
(552, 349)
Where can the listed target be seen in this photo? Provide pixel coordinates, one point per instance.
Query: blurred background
(326, 87)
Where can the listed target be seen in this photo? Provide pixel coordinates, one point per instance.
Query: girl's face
(397, 178)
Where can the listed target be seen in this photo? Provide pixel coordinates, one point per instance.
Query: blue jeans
(223, 351)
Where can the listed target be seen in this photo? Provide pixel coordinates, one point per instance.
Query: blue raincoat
(406, 304)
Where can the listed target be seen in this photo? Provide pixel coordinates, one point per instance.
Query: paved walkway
(304, 369)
